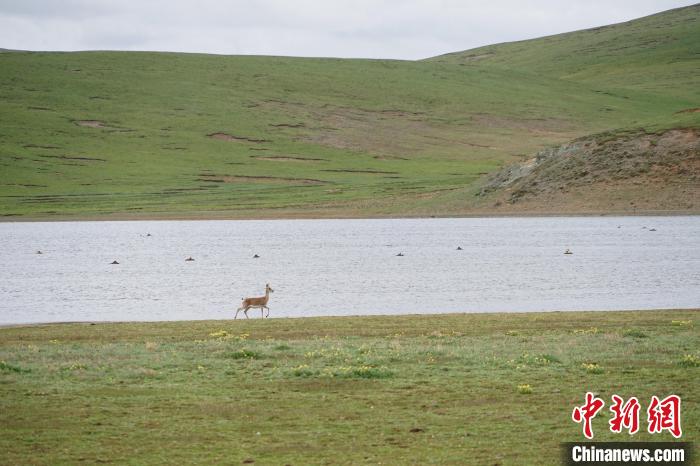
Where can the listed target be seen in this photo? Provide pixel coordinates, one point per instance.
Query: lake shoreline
(209, 216)
(408, 316)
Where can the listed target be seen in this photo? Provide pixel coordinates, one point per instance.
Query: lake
(345, 267)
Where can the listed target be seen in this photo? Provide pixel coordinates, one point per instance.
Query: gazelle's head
(267, 288)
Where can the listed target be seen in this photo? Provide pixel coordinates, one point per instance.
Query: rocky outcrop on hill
(668, 159)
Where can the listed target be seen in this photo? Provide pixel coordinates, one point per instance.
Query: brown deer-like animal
(260, 302)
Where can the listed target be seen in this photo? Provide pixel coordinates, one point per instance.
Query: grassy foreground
(381, 390)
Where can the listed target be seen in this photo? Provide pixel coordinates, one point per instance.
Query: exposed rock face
(670, 158)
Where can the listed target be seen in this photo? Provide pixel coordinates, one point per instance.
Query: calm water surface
(345, 267)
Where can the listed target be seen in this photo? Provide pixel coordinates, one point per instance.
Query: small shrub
(5, 367)
(368, 372)
(592, 368)
(550, 359)
(282, 348)
(525, 389)
(538, 359)
(357, 372)
(224, 335)
(682, 323)
(315, 354)
(243, 354)
(512, 333)
(303, 371)
(634, 334)
(343, 372)
(689, 360)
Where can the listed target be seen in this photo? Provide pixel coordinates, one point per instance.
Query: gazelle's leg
(234, 317)
(245, 311)
(262, 311)
(268, 311)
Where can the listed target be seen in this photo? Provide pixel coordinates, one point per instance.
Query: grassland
(646, 55)
(142, 135)
(446, 389)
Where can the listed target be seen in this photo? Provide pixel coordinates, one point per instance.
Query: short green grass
(442, 389)
(646, 54)
(319, 137)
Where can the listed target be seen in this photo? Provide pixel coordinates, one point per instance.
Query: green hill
(658, 54)
(131, 134)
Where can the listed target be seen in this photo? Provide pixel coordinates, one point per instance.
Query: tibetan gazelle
(260, 302)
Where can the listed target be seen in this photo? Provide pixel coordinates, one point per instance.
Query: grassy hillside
(159, 134)
(657, 53)
(449, 389)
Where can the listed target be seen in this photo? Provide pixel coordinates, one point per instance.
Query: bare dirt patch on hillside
(367, 171)
(68, 157)
(388, 132)
(287, 158)
(607, 172)
(232, 138)
(91, 123)
(211, 178)
(98, 124)
(537, 126)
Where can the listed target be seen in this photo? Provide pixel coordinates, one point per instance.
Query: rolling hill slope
(128, 134)
(657, 53)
